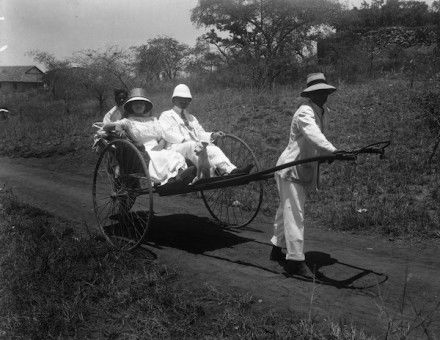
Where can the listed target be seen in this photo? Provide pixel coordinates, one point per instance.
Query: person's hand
(218, 134)
(344, 155)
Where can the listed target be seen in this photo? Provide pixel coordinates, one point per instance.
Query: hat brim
(132, 99)
(318, 87)
(181, 96)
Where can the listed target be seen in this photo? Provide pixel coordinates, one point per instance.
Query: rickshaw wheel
(122, 195)
(235, 206)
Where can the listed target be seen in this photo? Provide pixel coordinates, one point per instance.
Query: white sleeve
(108, 116)
(307, 124)
(170, 129)
(200, 131)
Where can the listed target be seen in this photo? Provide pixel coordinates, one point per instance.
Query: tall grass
(396, 197)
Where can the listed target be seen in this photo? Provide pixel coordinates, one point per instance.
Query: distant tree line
(254, 43)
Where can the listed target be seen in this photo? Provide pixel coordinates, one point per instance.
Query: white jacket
(306, 140)
(175, 130)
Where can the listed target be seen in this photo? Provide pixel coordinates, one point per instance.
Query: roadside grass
(57, 283)
(397, 197)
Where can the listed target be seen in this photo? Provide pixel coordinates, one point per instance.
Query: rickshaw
(123, 193)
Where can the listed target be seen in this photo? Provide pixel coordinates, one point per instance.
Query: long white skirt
(165, 164)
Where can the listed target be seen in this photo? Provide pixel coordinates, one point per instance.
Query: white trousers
(289, 219)
(216, 157)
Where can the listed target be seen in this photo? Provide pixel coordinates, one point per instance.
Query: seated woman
(145, 131)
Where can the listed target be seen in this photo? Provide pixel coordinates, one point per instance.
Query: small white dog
(204, 166)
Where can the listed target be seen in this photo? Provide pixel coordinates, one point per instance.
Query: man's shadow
(330, 271)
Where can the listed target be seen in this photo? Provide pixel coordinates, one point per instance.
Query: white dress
(164, 164)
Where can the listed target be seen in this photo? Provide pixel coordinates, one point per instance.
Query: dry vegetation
(58, 284)
(397, 197)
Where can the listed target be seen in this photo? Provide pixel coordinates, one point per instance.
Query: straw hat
(135, 95)
(182, 91)
(316, 82)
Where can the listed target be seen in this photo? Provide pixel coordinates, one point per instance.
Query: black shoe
(186, 176)
(277, 254)
(298, 268)
(242, 171)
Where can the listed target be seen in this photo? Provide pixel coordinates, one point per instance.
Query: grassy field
(396, 197)
(58, 284)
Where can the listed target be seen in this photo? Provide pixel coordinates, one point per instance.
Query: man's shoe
(277, 254)
(298, 268)
(186, 176)
(242, 171)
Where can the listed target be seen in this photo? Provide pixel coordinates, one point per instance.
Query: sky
(62, 27)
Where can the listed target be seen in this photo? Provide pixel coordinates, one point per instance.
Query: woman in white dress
(145, 131)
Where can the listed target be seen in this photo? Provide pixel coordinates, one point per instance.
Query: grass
(396, 197)
(59, 284)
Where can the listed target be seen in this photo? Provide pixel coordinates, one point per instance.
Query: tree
(53, 76)
(63, 79)
(161, 57)
(267, 35)
(102, 71)
(201, 59)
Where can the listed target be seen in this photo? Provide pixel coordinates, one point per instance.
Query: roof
(22, 74)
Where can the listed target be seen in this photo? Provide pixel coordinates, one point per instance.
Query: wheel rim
(122, 195)
(235, 206)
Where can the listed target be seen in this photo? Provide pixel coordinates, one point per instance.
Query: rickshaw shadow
(191, 233)
(332, 272)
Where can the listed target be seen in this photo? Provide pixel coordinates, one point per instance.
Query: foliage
(380, 13)
(103, 71)
(267, 36)
(161, 58)
(202, 60)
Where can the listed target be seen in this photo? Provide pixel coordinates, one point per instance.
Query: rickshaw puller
(306, 140)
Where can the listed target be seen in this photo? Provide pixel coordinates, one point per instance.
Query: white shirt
(176, 131)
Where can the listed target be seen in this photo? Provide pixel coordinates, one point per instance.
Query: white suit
(306, 140)
(184, 137)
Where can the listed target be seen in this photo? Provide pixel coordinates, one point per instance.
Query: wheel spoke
(235, 205)
(119, 209)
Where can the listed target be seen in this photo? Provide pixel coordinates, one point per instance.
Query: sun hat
(135, 95)
(182, 91)
(316, 82)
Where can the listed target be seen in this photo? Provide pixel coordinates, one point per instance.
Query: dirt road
(359, 275)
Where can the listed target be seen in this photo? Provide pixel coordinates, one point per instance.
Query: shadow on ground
(191, 233)
(199, 235)
(330, 271)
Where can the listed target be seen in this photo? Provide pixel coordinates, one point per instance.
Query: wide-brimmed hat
(182, 91)
(317, 82)
(135, 95)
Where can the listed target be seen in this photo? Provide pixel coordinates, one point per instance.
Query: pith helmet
(182, 91)
(316, 82)
(138, 94)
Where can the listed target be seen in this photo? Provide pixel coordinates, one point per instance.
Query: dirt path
(359, 274)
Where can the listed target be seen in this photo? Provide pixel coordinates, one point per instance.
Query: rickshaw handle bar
(268, 173)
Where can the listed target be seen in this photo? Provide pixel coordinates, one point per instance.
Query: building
(20, 78)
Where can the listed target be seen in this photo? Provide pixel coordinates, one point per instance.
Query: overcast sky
(64, 26)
